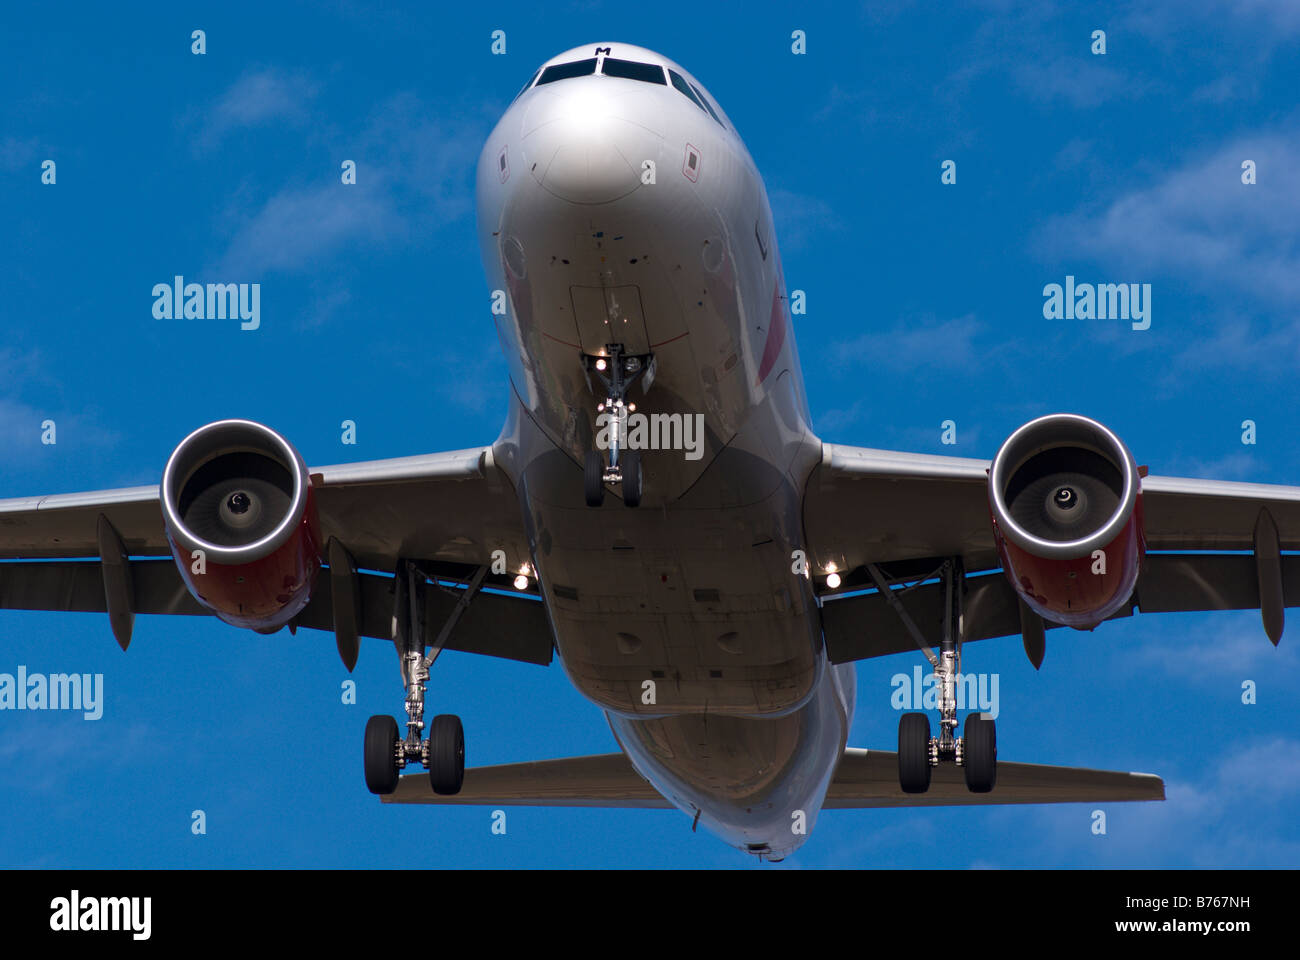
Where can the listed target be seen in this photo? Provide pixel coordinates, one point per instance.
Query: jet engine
(240, 516)
(1066, 501)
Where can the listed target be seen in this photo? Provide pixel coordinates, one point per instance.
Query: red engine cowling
(1066, 502)
(240, 515)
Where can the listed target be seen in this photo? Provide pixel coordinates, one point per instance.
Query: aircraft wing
(435, 506)
(878, 506)
(864, 778)
(905, 512)
(446, 511)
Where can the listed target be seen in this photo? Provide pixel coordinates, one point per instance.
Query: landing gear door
(610, 315)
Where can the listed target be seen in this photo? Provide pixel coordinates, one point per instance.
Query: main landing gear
(443, 753)
(976, 752)
(617, 371)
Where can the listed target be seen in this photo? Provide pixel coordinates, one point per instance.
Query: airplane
(705, 568)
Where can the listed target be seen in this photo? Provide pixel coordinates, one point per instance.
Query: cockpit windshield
(632, 70)
(626, 70)
(567, 71)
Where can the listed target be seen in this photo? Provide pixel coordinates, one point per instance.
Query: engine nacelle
(1062, 488)
(241, 519)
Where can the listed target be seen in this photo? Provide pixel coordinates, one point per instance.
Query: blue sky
(925, 304)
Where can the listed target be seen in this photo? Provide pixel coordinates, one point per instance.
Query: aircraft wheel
(632, 478)
(914, 752)
(594, 478)
(981, 752)
(381, 755)
(446, 754)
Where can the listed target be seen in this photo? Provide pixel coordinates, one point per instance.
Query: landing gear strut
(443, 754)
(616, 371)
(919, 753)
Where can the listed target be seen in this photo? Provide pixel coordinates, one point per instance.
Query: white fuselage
(623, 211)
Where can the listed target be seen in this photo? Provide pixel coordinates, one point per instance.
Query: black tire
(594, 478)
(381, 755)
(981, 752)
(914, 752)
(446, 754)
(632, 478)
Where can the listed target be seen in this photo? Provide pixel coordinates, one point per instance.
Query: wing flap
(78, 586)
(864, 626)
(496, 625)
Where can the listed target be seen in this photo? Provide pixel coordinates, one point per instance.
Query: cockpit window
(526, 86)
(565, 71)
(708, 106)
(631, 70)
(685, 88)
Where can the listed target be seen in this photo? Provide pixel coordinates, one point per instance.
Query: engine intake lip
(1049, 433)
(219, 439)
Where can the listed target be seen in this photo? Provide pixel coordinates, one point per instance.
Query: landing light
(600, 364)
(833, 580)
(521, 582)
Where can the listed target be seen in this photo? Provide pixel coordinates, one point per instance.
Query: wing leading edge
(881, 506)
(453, 506)
(905, 511)
(446, 511)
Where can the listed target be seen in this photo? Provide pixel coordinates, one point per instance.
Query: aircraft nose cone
(589, 170)
(582, 165)
(579, 145)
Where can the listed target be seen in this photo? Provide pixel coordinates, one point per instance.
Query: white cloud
(17, 153)
(1238, 813)
(257, 98)
(1046, 53)
(799, 217)
(1081, 79)
(1267, 19)
(297, 227)
(837, 421)
(1201, 223)
(414, 175)
(1046, 62)
(1229, 645)
(28, 397)
(926, 343)
(1239, 465)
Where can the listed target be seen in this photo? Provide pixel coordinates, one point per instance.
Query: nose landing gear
(616, 371)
